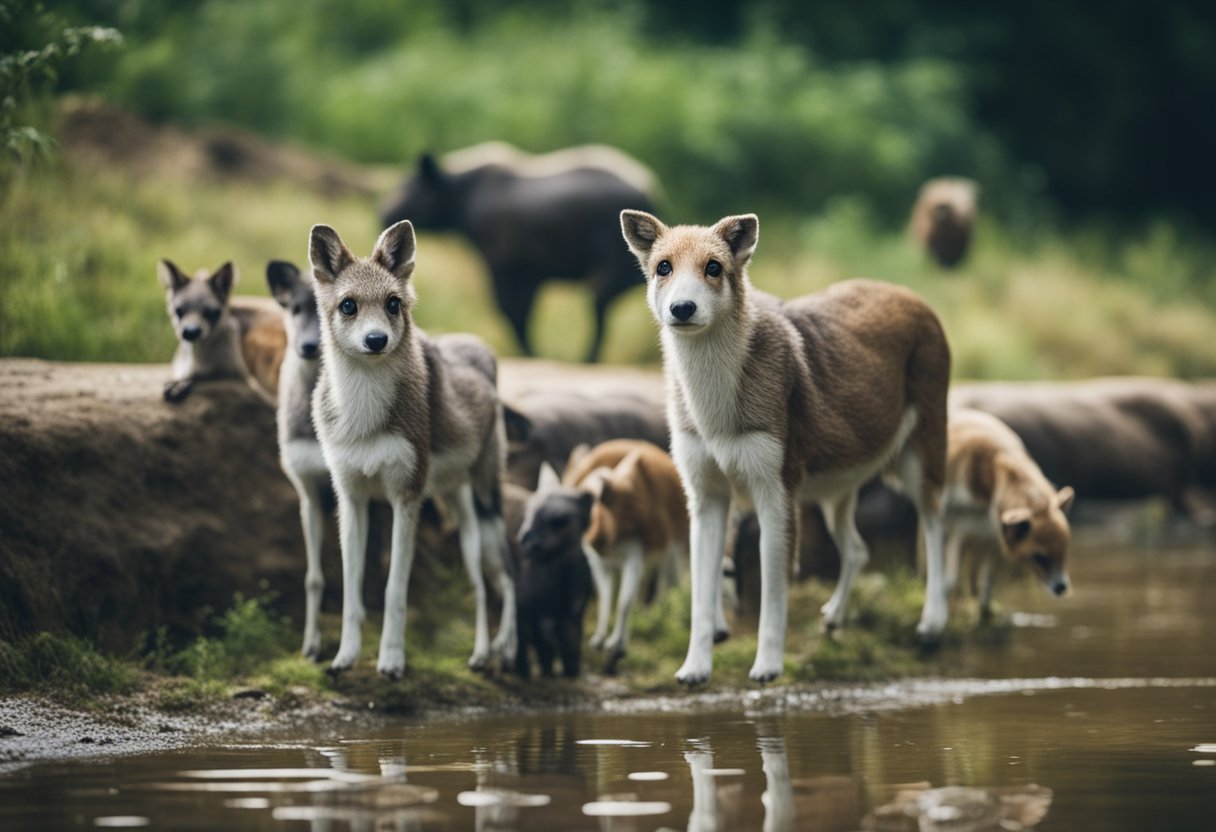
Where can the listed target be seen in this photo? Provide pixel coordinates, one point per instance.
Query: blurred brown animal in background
(943, 219)
(999, 502)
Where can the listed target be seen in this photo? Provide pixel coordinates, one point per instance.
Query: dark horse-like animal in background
(533, 218)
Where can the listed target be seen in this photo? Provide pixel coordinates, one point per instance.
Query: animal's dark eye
(296, 308)
(348, 307)
(393, 306)
(212, 314)
(180, 311)
(664, 268)
(713, 268)
(1042, 561)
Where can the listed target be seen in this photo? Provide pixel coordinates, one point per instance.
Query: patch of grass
(189, 694)
(81, 247)
(63, 666)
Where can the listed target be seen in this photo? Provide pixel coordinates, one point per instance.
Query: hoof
(828, 628)
(391, 673)
(763, 677)
(692, 676)
(480, 664)
(721, 636)
(313, 655)
(596, 642)
(614, 659)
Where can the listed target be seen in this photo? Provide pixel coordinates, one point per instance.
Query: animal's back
(263, 338)
(872, 350)
(657, 513)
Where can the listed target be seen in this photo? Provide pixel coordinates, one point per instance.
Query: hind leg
(631, 578)
(313, 521)
(493, 548)
(926, 496)
(839, 515)
(470, 550)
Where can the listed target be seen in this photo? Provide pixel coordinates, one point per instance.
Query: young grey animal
(402, 416)
(554, 577)
(299, 449)
(533, 219)
(775, 404)
(209, 340)
(220, 336)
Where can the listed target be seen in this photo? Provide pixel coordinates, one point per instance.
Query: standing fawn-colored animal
(639, 511)
(401, 416)
(773, 403)
(998, 501)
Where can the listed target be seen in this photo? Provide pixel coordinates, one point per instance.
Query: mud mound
(102, 134)
(121, 513)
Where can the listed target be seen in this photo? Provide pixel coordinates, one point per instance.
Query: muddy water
(1096, 712)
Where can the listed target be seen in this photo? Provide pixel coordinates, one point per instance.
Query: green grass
(66, 667)
(80, 248)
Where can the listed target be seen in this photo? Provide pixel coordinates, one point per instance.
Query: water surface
(1102, 716)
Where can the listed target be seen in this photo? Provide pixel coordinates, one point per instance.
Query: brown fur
(263, 339)
(644, 502)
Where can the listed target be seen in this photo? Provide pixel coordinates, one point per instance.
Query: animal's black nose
(1059, 587)
(683, 310)
(309, 349)
(375, 341)
(192, 332)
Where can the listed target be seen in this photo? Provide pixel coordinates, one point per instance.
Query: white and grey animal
(401, 416)
(299, 449)
(771, 404)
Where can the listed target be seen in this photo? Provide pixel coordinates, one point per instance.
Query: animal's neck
(220, 352)
(364, 393)
(708, 368)
(1015, 488)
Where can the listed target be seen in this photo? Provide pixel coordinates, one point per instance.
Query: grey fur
(209, 337)
(409, 418)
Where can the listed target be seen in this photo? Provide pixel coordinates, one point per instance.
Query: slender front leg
(776, 515)
(401, 560)
(603, 594)
(708, 535)
(987, 578)
(954, 560)
(470, 550)
(631, 578)
(352, 529)
(494, 556)
(313, 522)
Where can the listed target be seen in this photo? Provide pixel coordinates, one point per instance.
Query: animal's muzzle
(310, 349)
(192, 332)
(375, 341)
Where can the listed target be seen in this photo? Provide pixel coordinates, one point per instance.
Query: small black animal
(533, 218)
(554, 578)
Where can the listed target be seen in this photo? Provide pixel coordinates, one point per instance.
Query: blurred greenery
(80, 244)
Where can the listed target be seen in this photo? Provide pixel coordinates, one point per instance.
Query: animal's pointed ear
(428, 168)
(548, 478)
(327, 253)
(282, 277)
(1064, 498)
(740, 233)
(1015, 524)
(586, 502)
(170, 275)
(519, 426)
(395, 249)
(641, 232)
(577, 454)
(222, 280)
